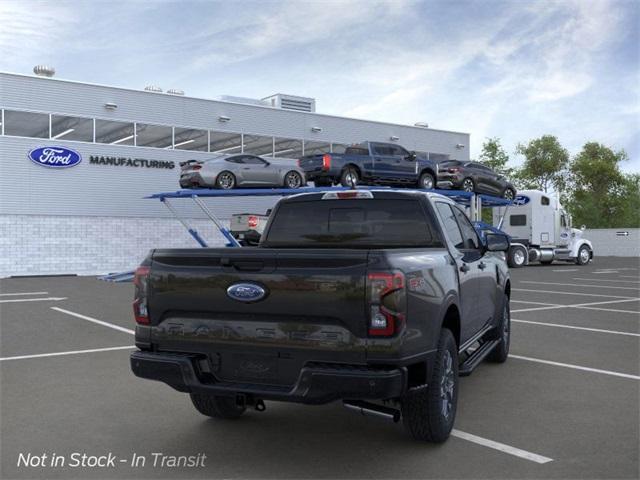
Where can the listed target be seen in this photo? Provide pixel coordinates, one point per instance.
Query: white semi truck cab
(541, 231)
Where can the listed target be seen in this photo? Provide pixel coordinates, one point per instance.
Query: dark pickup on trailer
(379, 298)
(371, 163)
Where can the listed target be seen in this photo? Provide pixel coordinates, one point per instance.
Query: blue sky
(514, 69)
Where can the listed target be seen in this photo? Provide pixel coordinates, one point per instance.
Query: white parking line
(72, 352)
(485, 442)
(628, 276)
(598, 330)
(587, 306)
(48, 299)
(606, 272)
(582, 285)
(567, 270)
(537, 303)
(570, 293)
(605, 280)
(94, 320)
(615, 310)
(23, 293)
(576, 367)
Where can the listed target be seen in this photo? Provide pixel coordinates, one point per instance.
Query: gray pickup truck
(379, 298)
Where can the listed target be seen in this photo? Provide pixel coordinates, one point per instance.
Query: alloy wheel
(467, 185)
(226, 181)
(447, 385)
(293, 180)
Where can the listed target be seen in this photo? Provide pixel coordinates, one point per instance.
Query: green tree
(600, 195)
(545, 164)
(494, 156)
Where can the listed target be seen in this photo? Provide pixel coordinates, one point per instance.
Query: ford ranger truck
(376, 298)
(371, 163)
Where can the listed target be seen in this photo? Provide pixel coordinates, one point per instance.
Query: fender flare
(578, 244)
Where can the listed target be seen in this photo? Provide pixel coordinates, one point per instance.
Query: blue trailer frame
(472, 200)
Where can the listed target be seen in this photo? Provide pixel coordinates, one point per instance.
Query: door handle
(482, 265)
(246, 168)
(464, 268)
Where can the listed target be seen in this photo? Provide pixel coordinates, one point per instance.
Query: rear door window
(450, 224)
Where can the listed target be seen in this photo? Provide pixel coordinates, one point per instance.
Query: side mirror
(583, 228)
(412, 156)
(495, 242)
(266, 164)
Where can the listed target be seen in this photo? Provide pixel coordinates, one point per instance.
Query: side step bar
(371, 409)
(476, 357)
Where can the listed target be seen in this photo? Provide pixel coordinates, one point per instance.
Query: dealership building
(92, 217)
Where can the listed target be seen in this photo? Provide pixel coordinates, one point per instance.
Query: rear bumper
(317, 383)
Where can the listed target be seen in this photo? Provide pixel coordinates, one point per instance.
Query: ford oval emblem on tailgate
(246, 292)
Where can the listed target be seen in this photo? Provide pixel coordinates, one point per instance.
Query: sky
(509, 69)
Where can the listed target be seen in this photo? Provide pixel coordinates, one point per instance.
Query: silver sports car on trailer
(241, 170)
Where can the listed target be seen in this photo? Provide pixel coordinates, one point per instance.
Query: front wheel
(426, 181)
(293, 179)
(503, 332)
(517, 256)
(509, 194)
(468, 185)
(216, 406)
(428, 412)
(584, 255)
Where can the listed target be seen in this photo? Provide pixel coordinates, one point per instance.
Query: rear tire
(427, 181)
(428, 413)
(349, 177)
(216, 407)
(225, 180)
(503, 331)
(517, 256)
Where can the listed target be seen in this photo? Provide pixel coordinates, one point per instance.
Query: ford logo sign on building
(246, 292)
(55, 157)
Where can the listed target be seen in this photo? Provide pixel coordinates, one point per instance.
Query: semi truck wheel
(216, 406)
(517, 256)
(428, 413)
(584, 255)
(500, 353)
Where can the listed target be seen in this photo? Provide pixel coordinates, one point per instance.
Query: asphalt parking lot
(565, 404)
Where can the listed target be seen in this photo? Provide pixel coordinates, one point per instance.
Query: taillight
(253, 221)
(454, 170)
(196, 167)
(326, 161)
(299, 163)
(140, 307)
(387, 303)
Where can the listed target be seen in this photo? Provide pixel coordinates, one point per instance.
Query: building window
(338, 147)
(258, 145)
(157, 136)
(26, 124)
(114, 133)
(71, 128)
(287, 148)
(190, 139)
(315, 148)
(225, 142)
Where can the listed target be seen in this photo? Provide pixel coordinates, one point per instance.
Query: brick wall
(44, 245)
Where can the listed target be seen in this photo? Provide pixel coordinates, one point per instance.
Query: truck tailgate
(313, 311)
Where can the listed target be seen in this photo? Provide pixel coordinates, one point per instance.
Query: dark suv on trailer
(475, 177)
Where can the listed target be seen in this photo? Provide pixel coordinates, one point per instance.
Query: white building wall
(54, 245)
(612, 242)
